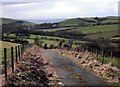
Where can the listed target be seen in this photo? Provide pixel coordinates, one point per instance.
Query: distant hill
(7, 20)
(71, 22)
(89, 21)
(12, 21)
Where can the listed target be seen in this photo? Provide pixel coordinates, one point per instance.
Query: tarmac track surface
(65, 68)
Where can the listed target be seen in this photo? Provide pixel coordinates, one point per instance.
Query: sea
(48, 20)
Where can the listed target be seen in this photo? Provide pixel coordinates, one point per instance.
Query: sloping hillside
(71, 22)
(11, 21)
(89, 20)
(7, 21)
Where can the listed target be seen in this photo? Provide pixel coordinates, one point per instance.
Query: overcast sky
(58, 8)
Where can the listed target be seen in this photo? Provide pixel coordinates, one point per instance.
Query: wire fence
(103, 56)
(9, 57)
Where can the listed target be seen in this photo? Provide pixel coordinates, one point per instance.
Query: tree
(66, 46)
(70, 43)
(60, 43)
(98, 20)
(45, 46)
(36, 40)
(40, 43)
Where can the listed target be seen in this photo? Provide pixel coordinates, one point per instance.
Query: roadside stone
(60, 83)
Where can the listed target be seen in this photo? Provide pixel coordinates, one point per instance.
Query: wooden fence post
(97, 54)
(5, 62)
(12, 59)
(21, 49)
(84, 50)
(16, 54)
(45, 46)
(112, 57)
(87, 49)
(92, 52)
(102, 56)
(19, 52)
(118, 63)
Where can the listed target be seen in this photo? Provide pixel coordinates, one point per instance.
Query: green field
(30, 40)
(50, 42)
(55, 29)
(94, 32)
(48, 37)
(97, 29)
(8, 46)
(10, 35)
(70, 22)
(32, 36)
(76, 21)
(105, 35)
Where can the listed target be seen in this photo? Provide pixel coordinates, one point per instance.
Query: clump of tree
(45, 46)
(38, 41)
(52, 46)
(47, 26)
(101, 45)
(104, 44)
(69, 35)
(66, 46)
(99, 20)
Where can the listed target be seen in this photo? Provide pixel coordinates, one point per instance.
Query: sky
(43, 9)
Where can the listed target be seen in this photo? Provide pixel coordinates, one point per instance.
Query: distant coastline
(49, 20)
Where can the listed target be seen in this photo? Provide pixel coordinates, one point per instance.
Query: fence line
(99, 55)
(16, 53)
(104, 58)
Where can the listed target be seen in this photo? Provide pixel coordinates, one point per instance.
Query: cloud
(59, 8)
(13, 3)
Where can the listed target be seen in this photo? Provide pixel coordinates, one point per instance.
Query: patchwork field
(97, 29)
(109, 34)
(56, 29)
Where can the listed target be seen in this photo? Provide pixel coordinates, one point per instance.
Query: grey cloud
(58, 8)
(13, 3)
